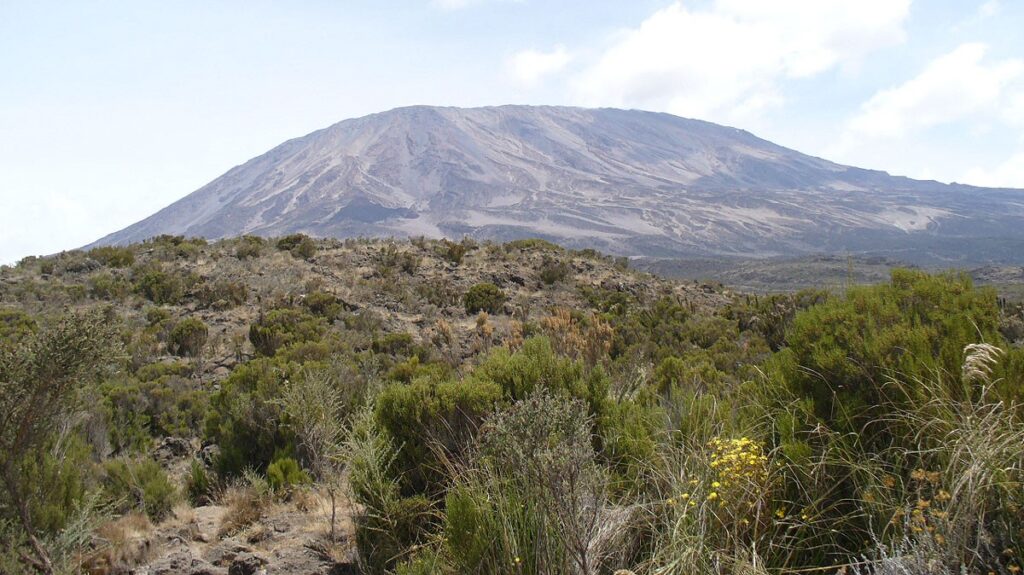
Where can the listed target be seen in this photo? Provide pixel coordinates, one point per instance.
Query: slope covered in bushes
(512, 408)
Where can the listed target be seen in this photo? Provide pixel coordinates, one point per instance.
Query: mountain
(625, 181)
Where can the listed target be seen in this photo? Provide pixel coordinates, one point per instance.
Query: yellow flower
(780, 512)
(684, 496)
(712, 496)
(715, 484)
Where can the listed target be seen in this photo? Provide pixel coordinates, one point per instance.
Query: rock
(172, 448)
(208, 454)
(246, 564)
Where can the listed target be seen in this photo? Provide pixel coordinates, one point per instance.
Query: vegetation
(566, 416)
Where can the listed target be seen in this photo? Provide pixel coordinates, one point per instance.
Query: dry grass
(122, 544)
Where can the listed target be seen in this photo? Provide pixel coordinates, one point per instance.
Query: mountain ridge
(630, 182)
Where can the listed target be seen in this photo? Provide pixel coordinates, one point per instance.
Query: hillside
(304, 406)
(627, 182)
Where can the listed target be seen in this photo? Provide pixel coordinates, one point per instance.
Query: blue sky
(112, 110)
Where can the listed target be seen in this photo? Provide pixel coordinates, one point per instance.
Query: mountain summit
(624, 181)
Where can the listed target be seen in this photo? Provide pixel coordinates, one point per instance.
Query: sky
(111, 110)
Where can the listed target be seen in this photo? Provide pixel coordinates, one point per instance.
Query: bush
(141, 486)
(285, 474)
(113, 256)
(249, 247)
(452, 251)
(159, 287)
(299, 245)
(198, 486)
(15, 325)
(280, 327)
(484, 297)
(244, 418)
(843, 353)
(107, 286)
(553, 270)
(427, 415)
(221, 294)
(188, 337)
(535, 493)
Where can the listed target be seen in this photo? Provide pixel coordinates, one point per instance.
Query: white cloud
(952, 87)
(726, 62)
(1009, 174)
(529, 67)
(450, 5)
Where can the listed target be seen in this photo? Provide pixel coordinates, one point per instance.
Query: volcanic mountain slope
(629, 182)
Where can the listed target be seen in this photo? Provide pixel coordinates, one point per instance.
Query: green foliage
(249, 247)
(245, 416)
(280, 327)
(141, 486)
(554, 270)
(426, 415)
(113, 256)
(843, 353)
(158, 286)
(15, 325)
(188, 337)
(107, 286)
(198, 486)
(454, 252)
(285, 475)
(393, 344)
(221, 294)
(160, 403)
(532, 244)
(299, 245)
(484, 297)
(323, 304)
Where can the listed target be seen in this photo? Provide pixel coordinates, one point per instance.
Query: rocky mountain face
(624, 181)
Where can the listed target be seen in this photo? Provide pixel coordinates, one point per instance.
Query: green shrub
(198, 486)
(107, 286)
(188, 337)
(249, 247)
(244, 418)
(323, 304)
(15, 325)
(454, 252)
(484, 297)
(285, 474)
(113, 256)
(299, 245)
(393, 344)
(426, 415)
(158, 286)
(842, 354)
(141, 486)
(281, 327)
(221, 294)
(554, 270)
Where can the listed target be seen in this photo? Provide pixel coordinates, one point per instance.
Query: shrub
(249, 247)
(280, 327)
(113, 256)
(842, 354)
(188, 337)
(285, 474)
(244, 418)
(221, 294)
(159, 287)
(323, 304)
(454, 252)
(424, 416)
(15, 325)
(299, 245)
(535, 495)
(140, 485)
(553, 270)
(105, 285)
(484, 297)
(198, 486)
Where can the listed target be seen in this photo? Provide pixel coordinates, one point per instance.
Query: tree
(314, 407)
(41, 384)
